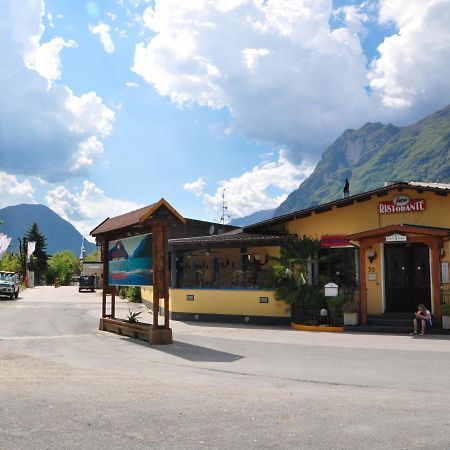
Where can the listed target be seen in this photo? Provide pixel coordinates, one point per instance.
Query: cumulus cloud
(276, 65)
(103, 30)
(14, 191)
(45, 126)
(265, 186)
(286, 75)
(412, 72)
(196, 187)
(88, 207)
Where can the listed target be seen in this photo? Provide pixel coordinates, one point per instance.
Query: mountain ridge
(60, 234)
(376, 153)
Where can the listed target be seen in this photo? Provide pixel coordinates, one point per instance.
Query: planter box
(446, 322)
(143, 331)
(351, 318)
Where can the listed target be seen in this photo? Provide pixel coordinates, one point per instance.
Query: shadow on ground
(191, 352)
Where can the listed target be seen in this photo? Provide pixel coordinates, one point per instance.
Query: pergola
(156, 219)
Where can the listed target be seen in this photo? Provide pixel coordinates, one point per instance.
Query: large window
(337, 265)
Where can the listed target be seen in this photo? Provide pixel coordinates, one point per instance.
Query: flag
(82, 250)
(4, 243)
(31, 247)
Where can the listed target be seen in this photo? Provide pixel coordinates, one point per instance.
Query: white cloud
(265, 186)
(286, 76)
(412, 72)
(102, 29)
(88, 207)
(44, 124)
(14, 191)
(131, 84)
(45, 59)
(196, 187)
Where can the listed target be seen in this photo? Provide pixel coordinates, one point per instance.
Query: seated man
(422, 319)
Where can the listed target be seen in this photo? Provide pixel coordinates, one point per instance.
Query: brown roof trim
(346, 201)
(132, 218)
(228, 239)
(402, 228)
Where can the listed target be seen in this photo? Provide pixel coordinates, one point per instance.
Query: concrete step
(381, 329)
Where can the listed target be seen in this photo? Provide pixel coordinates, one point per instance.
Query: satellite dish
(211, 229)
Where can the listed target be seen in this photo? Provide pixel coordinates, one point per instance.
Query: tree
(38, 261)
(93, 257)
(10, 262)
(62, 265)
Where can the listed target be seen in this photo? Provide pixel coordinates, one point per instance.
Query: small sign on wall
(373, 276)
(444, 273)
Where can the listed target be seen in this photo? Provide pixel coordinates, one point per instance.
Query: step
(380, 329)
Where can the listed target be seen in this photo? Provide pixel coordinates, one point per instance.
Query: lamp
(371, 255)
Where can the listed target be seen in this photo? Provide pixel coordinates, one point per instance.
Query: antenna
(225, 214)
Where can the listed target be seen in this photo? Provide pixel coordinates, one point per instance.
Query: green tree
(63, 265)
(93, 257)
(38, 261)
(10, 262)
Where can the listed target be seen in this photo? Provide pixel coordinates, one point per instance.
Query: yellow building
(390, 244)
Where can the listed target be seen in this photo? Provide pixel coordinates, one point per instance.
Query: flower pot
(446, 322)
(351, 318)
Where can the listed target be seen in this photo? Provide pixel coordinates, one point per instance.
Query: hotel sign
(400, 204)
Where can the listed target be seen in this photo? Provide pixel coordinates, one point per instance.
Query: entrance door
(407, 276)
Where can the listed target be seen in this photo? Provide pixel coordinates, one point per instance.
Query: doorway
(407, 276)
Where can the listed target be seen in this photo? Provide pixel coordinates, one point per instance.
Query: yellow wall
(364, 216)
(230, 302)
(223, 301)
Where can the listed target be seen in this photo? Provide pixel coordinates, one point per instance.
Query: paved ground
(65, 385)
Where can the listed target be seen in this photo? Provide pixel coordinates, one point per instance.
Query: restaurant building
(391, 245)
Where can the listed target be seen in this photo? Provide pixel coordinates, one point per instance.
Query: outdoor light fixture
(371, 255)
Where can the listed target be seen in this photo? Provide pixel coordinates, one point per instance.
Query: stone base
(160, 336)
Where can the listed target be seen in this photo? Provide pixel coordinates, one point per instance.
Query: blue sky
(108, 106)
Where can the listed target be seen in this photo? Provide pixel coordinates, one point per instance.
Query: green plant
(445, 309)
(132, 316)
(134, 294)
(336, 304)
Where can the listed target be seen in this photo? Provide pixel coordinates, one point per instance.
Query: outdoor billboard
(130, 261)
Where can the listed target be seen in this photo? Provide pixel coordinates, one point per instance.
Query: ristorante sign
(400, 204)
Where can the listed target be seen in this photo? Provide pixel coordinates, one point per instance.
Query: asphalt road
(66, 385)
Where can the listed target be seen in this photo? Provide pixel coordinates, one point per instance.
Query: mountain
(256, 217)
(60, 234)
(374, 154)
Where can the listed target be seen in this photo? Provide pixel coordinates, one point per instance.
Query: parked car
(87, 283)
(9, 284)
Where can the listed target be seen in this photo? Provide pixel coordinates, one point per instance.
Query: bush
(445, 309)
(132, 293)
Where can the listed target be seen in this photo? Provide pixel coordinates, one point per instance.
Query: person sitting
(422, 320)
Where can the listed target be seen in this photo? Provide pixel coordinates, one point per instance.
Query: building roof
(233, 238)
(132, 218)
(439, 188)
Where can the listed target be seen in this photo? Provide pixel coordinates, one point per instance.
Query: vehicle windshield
(6, 277)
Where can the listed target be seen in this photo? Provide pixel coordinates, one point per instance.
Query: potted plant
(445, 312)
(351, 313)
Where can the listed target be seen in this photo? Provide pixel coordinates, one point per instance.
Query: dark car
(87, 283)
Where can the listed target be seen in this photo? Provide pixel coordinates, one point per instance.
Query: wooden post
(166, 275)
(105, 275)
(157, 264)
(436, 279)
(113, 301)
(363, 246)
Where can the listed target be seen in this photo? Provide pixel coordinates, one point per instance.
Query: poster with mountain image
(130, 261)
